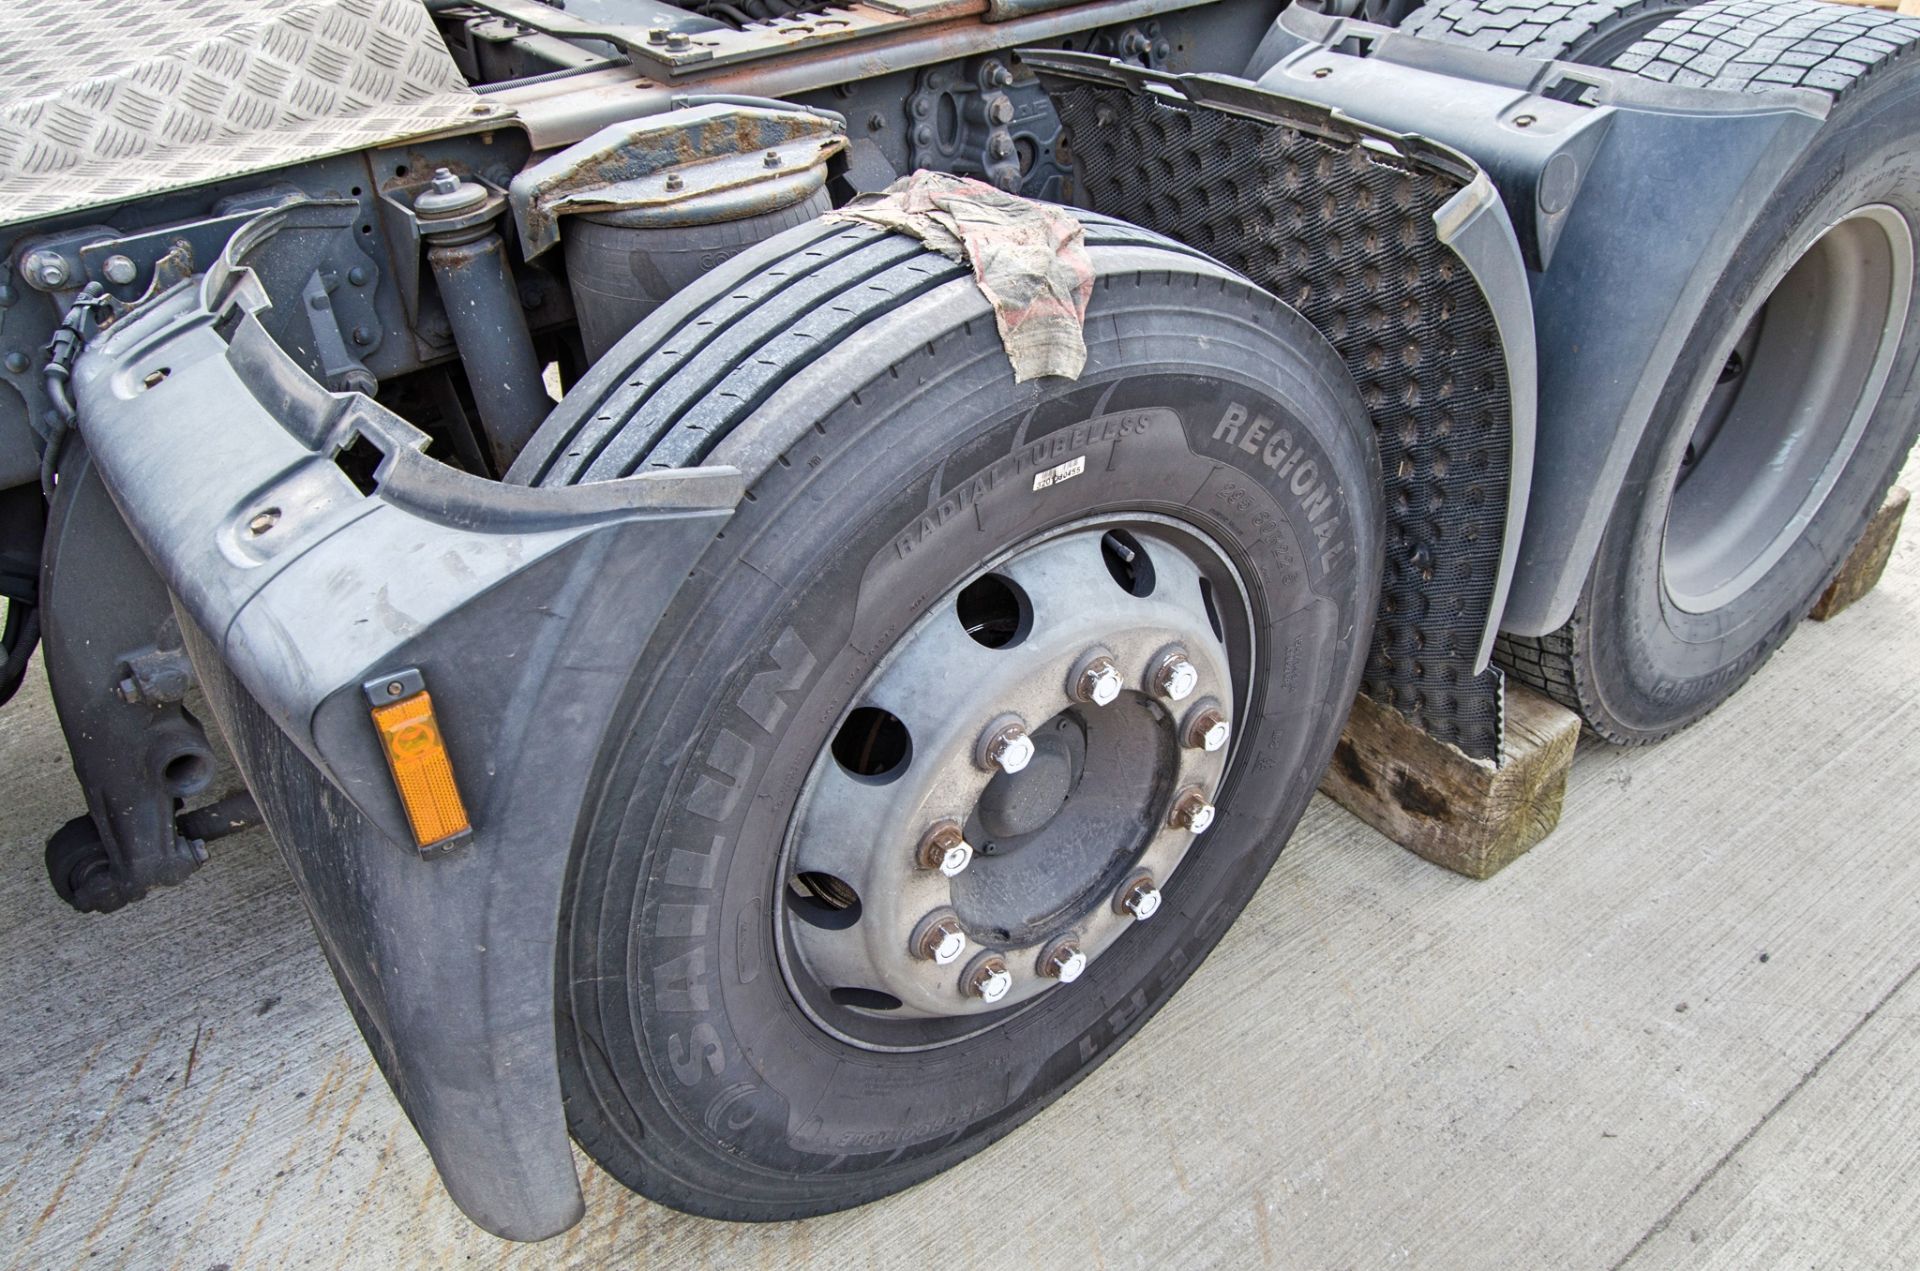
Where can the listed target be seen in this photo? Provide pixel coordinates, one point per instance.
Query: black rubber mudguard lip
(1241, 97)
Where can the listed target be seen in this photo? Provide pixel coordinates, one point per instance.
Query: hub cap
(1067, 644)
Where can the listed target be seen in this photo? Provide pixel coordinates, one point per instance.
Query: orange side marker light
(417, 756)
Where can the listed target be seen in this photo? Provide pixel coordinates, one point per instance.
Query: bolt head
(954, 860)
(1207, 729)
(1011, 750)
(120, 270)
(1176, 677)
(1099, 682)
(47, 269)
(358, 275)
(1191, 811)
(944, 848)
(17, 362)
(1141, 899)
(679, 40)
(675, 181)
(988, 979)
(656, 35)
(1064, 962)
(263, 521)
(773, 159)
(940, 939)
(948, 948)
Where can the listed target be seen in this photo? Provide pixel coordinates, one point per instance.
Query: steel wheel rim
(1792, 393)
(896, 891)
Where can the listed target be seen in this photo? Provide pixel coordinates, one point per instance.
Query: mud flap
(524, 611)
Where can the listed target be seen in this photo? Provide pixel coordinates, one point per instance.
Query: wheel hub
(1096, 653)
(1017, 805)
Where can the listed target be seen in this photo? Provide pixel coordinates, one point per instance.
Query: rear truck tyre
(1590, 33)
(1792, 407)
(912, 820)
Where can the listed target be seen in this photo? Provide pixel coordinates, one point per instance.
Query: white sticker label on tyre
(1060, 472)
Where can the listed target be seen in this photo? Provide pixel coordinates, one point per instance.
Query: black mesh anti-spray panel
(1341, 227)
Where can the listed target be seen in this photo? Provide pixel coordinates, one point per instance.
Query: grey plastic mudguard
(525, 610)
(1629, 197)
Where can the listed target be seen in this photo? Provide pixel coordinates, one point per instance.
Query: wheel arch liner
(1630, 197)
(1400, 252)
(295, 587)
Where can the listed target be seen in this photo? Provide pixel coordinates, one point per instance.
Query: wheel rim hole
(824, 900)
(994, 611)
(873, 745)
(1128, 562)
(864, 999)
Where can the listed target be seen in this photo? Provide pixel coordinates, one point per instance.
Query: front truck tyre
(1793, 405)
(765, 1011)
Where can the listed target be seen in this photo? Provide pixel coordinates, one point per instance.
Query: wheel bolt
(944, 848)
(1007, 747)
(1099, 681)
(1139, 898)
(1174, 676)
(988, 978)
(1207, 728)
(938, 939)
(1063, 961)
(1191, 811)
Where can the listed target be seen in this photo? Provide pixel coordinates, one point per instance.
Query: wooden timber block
(1429, 797)
(1867, 560)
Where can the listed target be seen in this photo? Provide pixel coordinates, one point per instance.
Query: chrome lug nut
(1139, 898)
(944, 848)
(1174, 676)
(1206, 728)
(1191, 811)
(1063, 961)
(987, 978)
(939, 939)
(1098, 681)
(1006, 746)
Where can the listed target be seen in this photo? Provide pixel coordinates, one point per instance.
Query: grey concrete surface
(1685, 1031)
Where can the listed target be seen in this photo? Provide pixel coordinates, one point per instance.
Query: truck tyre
(1794, 403)
(785, 987)
(1590, 33)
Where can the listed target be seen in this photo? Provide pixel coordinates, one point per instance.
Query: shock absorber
(469, 261)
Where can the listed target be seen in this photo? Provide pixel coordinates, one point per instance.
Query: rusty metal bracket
(700, 164)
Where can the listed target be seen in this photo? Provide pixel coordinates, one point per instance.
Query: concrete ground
(1683, 1032)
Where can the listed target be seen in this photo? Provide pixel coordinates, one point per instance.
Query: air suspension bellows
(658, 202)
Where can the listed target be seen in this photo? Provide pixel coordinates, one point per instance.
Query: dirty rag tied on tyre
(1029, 260)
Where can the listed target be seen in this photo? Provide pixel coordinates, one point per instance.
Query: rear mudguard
(524, 611)
(1629, 196)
